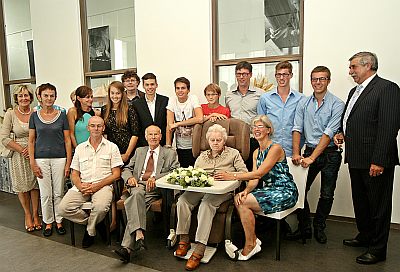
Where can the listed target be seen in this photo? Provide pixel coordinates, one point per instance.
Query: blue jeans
(328, 163)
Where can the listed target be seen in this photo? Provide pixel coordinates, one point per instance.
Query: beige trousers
(71, 207)
(207, 209)
(136, 206)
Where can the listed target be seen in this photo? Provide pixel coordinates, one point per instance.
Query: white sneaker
(231, 249)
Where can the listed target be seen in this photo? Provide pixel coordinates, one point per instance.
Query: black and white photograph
(282, 23)
(99, 49)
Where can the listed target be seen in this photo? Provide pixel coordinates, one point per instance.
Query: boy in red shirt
(213, 110)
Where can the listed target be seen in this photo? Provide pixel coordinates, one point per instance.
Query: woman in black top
(121, 120)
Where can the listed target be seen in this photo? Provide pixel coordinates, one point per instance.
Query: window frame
(216, 63)
(4, 64)
(85, 51)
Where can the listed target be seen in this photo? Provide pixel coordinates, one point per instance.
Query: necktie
(149, 167)
(353, 100)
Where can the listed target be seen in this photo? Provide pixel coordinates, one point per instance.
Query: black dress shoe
(368, 258)
(354, 243)
(87, 240)
(297, 235)
(61, 230)
(124, 255)
(320, 236)
(140, 245)
(47, 232)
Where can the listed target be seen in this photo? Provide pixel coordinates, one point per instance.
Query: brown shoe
(182, 249)
(193, 262)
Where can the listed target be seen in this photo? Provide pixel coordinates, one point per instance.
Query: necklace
(45, 113)
(24, 113)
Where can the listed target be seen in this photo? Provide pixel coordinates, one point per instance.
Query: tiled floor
(21, 251)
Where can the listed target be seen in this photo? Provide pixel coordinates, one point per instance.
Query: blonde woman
(23, 180)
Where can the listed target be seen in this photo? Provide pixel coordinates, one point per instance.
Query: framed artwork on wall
(99, 49)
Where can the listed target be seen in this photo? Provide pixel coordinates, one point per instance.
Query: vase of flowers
(195, 177)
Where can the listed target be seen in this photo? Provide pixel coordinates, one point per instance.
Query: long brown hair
(81, 92)
(122, 110)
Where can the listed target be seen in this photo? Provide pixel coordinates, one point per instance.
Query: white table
(219, 187)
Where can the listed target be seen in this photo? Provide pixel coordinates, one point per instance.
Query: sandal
(30, 228)
(38, 227)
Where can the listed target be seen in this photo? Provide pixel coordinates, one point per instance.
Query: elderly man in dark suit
(370, 123)
(151, 108)
(148, 164)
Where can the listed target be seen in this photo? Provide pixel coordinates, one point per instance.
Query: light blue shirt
(313, 121)
(281, 115)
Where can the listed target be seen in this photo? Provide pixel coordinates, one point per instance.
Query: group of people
(131, 137)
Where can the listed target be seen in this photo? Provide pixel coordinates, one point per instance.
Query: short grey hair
(217, 128)
(365, 58)
(145, 131)
(266, 122)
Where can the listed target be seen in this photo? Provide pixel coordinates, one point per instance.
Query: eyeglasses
(321, 79)
(130, 80)
(285, 75)
(259, 127)
(242, 74)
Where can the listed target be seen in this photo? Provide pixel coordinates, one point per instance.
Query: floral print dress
(278, 191)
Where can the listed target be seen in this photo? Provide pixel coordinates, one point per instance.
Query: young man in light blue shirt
(279, 105)
(318, 119)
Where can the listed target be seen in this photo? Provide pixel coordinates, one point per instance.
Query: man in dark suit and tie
(148, 164)
(151, 109)
(370, 123)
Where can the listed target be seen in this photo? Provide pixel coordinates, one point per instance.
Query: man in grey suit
(148, 164)
(370, 123)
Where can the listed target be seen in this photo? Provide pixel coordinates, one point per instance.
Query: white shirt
(360, 88)
(152, 106)
(95, 165)
(155, 160)
(183, 111)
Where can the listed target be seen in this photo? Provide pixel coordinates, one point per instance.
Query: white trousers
(51, 187)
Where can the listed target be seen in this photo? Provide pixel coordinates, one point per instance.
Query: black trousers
(185, 157)
(372, 201)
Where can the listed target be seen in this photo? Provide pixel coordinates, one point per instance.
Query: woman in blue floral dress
(270, 188)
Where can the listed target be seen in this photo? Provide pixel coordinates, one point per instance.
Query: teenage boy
(183, 112)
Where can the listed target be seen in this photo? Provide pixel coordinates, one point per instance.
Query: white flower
(210, 180)
(183, 173)
(203, 177)
(187, 179)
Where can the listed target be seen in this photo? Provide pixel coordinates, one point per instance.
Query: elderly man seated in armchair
(148, 164)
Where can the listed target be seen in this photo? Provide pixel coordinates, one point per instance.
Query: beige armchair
(239, 138)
